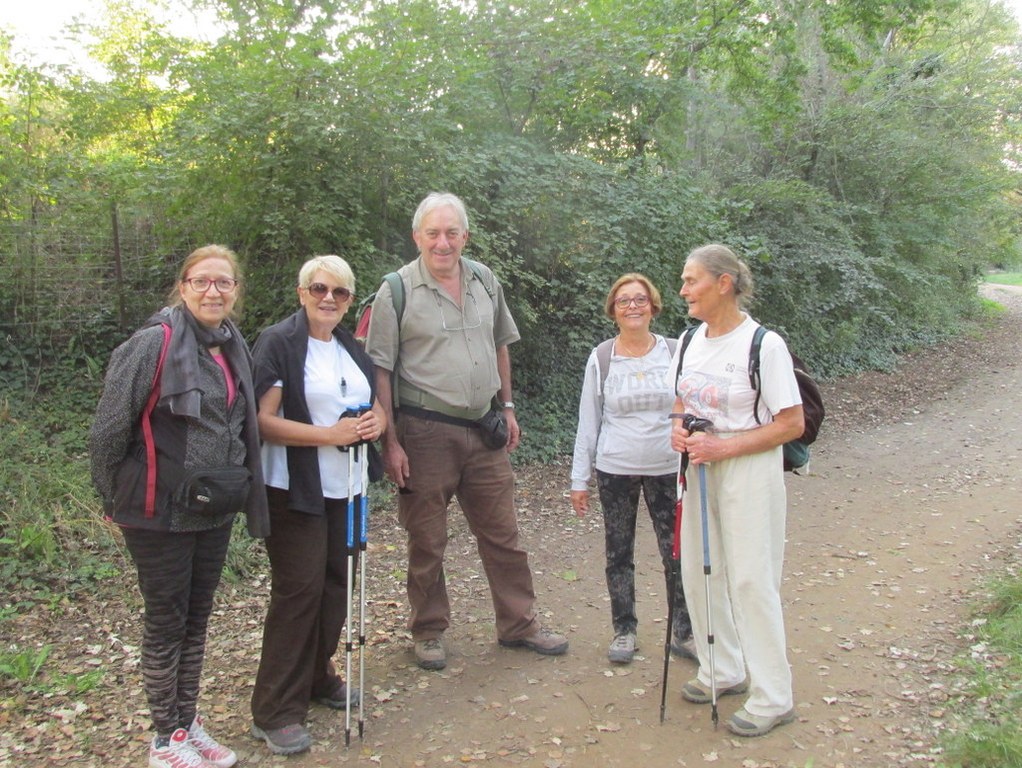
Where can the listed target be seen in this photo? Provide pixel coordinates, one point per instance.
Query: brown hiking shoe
(430, 654)
(542, 641)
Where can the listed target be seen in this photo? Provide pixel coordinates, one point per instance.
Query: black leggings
(177, 575)
(619, 496)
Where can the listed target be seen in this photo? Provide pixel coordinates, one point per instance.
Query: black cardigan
(279, 355)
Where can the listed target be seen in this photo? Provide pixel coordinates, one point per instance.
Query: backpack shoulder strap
(477, 270)
(686, 339)
(755, 377)
(397, 294)
(603, 350)
(147, 428)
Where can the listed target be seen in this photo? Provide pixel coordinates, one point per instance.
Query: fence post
(118, 270)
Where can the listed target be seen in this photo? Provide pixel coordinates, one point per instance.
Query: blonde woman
(309, 372)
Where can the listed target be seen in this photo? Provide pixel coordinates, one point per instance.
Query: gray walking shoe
(685, 649)
(744, 723)
(697, 693)
(622, 648)
(338, 697)
(542, 641)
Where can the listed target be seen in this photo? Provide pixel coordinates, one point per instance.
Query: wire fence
(72, 286)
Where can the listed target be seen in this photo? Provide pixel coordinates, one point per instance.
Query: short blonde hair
(655, 301)
(332, 265)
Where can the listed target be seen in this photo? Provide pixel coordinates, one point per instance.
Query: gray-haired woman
(742, 458)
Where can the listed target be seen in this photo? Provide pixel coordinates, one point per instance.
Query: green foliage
(853, 153)
(985, 731)
(23, 664)
(49, 515)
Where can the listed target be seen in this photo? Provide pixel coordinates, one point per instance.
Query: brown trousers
(445, 461)
(308, 608)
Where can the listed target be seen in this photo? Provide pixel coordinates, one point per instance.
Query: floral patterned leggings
(619, 496)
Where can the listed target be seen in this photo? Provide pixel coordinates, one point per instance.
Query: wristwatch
(508, 405)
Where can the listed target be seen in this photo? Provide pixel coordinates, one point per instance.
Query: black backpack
(796, 452)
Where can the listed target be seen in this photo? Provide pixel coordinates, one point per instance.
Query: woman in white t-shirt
(311, 377)
(624, 431)
(745, 491)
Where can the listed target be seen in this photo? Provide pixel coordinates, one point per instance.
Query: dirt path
(912, 501)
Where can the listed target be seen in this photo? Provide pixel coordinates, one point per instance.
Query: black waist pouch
(493, 427)
(217, 491)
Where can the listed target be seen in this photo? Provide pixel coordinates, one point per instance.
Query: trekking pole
(695, 424)
(673, 577)
(363, 528)
(350, 535)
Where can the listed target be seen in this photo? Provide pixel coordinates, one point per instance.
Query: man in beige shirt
(449, 350)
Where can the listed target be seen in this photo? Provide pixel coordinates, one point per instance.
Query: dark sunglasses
(320, 291)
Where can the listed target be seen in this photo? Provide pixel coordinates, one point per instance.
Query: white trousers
(746, 509)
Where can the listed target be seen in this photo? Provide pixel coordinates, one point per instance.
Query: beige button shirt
(443, 349)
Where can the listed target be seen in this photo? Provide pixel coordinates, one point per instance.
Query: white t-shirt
(714, 383)
(333, 384)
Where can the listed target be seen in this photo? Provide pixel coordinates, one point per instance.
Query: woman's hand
(704, 448)
(580, 502)
(364, 428)
(679, 435)
(345, 431)
(701, 447)
(369, 426)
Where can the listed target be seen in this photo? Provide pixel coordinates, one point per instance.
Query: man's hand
(395, 462)
(514, 432)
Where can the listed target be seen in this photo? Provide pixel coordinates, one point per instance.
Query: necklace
(651, 340)
(623, 349)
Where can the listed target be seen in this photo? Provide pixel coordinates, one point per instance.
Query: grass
(1004, 278)
(985, 731)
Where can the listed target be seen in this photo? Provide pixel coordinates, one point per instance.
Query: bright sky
(37, 25)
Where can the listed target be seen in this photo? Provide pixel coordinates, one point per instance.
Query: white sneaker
(208, 748)
(622, 648)
(179, 753)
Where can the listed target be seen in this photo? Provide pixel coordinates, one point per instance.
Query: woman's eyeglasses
(623, 301)
(319, 290)
(202, 284)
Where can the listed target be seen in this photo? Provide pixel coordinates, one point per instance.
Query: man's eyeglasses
(319, 290)
(468, 319)
(202, 284)
(623, 301)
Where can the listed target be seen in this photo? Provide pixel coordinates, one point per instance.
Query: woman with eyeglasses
(174, 450)
(311, 377)
(625, 432)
